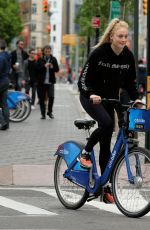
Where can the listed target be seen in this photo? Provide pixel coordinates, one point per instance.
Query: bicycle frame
(81, 176)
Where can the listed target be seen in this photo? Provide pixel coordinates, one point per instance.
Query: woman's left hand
(138, 104)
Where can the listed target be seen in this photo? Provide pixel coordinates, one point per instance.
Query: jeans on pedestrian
(46, 91)
(33, 87)
(17, 78)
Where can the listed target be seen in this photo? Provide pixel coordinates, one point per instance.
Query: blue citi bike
(128, 169)
(19, 105)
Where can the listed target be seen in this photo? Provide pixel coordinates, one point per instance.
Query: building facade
(41, 28)
(36, 23)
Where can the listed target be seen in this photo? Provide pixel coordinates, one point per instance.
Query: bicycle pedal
(92, 198)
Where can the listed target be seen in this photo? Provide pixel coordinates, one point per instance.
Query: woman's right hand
(95, 99)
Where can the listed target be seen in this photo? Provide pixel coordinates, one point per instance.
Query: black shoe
(4, 127)
(50, 115)
(43, 117)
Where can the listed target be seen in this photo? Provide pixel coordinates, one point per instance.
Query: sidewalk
(27, 148)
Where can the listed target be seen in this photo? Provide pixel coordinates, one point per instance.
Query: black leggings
(104, 115)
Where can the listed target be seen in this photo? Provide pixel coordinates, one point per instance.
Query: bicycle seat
(84, 123)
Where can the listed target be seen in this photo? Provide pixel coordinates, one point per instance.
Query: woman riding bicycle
(110, 67)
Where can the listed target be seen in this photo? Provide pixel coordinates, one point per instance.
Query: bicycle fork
(137, 179)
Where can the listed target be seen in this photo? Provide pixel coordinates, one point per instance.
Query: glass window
(55, 4)
(34, 8)
(33, 42)
(33, 26)
(54, 27)
(54, 38)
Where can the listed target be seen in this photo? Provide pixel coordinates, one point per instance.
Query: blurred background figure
(18, 56)
(5, 64)
(47, 66)
(141, 78)
(69, 77)
(30, 76)
(38, 53)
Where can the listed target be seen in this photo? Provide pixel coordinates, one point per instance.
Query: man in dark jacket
(5, 64)
(47, 66)
(30, 76)
(18, 56)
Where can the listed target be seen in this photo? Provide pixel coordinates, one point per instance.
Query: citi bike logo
(112, 158)
(139, 120)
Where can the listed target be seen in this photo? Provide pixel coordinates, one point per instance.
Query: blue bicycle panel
(139, 120)
(70, 151)
(13, 97)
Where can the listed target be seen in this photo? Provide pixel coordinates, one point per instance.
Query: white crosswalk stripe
(24, 208)
(33, 210)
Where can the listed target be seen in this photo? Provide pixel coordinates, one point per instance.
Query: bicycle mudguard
(70, 151)
(13, 97)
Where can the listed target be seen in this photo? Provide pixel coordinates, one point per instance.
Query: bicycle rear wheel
(133, 200)
(71, 195)
(21, 112)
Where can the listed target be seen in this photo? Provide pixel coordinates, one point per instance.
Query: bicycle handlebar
(131, 104)
(121, 108)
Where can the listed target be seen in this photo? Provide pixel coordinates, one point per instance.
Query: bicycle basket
(139, 120)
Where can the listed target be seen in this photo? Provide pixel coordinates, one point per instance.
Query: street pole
(136, 30)
(97, 34)
(77, 60)
(147, 138)
(136, 36)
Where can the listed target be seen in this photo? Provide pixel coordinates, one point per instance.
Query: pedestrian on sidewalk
(5, 64)
(69, 75)
(141, 78)
(110, 66)
(17, 59)
(47, 66)
(30, 76)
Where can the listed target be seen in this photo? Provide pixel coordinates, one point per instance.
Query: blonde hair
(112, 26)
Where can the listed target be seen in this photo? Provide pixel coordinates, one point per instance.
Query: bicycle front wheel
(133, 199)
(71, 195)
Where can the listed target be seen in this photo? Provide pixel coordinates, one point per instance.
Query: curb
(27, 175)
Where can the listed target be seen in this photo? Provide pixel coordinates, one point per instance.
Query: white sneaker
(32, 107)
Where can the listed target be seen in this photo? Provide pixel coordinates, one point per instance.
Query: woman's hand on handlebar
(138, 104)
(95, 99)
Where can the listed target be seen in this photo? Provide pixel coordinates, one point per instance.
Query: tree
(11, 24)
(102, 8)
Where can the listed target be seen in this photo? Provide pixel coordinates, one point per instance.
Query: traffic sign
(95, 22)
(69, 39)
(115, 9)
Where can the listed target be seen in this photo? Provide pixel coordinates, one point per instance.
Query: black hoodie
(105, 72)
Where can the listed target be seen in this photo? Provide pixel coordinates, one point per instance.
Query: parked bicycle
(19, 106)
(128, 168)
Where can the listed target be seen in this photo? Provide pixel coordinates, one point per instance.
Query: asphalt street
(38, 208)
